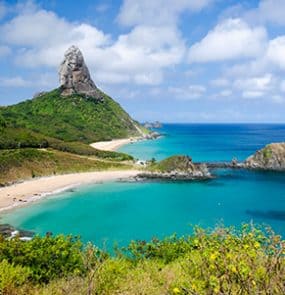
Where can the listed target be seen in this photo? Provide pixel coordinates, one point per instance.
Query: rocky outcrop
(177, 168)
(271, 157)
(8, 231)
(152, 135)
(74, 75)
(155, 124)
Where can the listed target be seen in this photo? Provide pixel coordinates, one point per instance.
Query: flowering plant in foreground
(224, 261)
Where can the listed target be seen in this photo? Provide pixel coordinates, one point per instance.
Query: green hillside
(16, 164)
(72, 118)
(50, 134)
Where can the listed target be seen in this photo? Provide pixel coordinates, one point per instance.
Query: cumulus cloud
(14, 82)
(220, 82)
(271, 11)
(255, 87)
(139, 56)
(159, 12)
(188, 92)
(275, 52)
(42, 80)
(226, 93)
(231, 39)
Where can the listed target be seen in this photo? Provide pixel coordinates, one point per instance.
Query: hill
(64, 121)
(71, 118)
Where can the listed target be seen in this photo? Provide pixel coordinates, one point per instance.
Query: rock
(152, 135)
(38, 94)
(8, 231)
(271, 157)
(74, 75)
(177, 168)
(155, 124)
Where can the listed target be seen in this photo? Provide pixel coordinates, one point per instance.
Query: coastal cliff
(271, 157)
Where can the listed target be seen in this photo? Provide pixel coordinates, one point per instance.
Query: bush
(12, 276)
(47, 257)
(224, 261)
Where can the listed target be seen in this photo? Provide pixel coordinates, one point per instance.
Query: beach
(29, 191)
(114, 144)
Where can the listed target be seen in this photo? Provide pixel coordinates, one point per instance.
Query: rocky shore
(176, 168)
(271, 157)
(8, 231)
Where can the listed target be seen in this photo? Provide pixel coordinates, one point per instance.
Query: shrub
(12, 276)
(47, 257)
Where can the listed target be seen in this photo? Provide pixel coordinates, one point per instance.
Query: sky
(201, 61)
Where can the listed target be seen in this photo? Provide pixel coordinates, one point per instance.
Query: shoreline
(114, 144)
(29, 191)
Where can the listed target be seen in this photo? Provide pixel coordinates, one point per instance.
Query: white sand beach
(114, 144)
(32, 190)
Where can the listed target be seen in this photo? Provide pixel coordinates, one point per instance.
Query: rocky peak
(74, 76)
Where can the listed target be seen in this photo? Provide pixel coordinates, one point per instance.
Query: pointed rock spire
(74, 76)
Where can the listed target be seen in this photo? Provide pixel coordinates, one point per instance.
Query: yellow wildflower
(256, 245)
(213, 256)
(176, 290)
(233, 269)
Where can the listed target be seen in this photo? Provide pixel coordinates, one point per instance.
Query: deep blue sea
(121, 211)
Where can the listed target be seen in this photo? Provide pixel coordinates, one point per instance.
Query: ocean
(118, 212)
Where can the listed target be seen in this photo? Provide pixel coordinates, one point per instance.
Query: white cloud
(226, 93)
(252, 94)
(220, 82)
(188, 93)
(271, 11)
(40, 81)
(276, 52)
(262, 83)
(282, 85)
(14, 82)
(139, 56)
(231, 39)
(158, 12)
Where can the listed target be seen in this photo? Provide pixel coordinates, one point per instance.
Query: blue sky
(167, 60)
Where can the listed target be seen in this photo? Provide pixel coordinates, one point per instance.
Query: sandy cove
(114, 144)
(29, 191)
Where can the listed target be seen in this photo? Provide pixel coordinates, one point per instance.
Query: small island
(271, 157)
(176, 168)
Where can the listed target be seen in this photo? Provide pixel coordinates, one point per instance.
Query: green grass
(224, 261)
(13, 138)
(26, 163)
(72, 118)
(267, 153)
(177, 162)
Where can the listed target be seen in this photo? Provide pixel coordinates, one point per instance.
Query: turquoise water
(122, 211)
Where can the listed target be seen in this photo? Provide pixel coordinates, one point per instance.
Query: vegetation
(13, 138)
(50, 134)
(178, 162)
(267, 153)
(225, 261)
(27, 163)
(72, 118)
